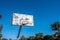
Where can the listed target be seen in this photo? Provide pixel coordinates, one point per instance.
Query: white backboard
(22, 19)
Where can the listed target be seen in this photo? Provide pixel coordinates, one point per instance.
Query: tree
(0, 24)
(4, 39)
(31, 38)
(0, 16)
(23, 38)
(10, 39)
(55, 26)
(57, 34)
(39, 36)
(0, 28)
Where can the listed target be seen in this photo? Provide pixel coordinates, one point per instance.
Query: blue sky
(45, 13)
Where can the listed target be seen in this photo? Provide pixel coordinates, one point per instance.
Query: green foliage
(55, 26)
(3, 39)
(0, 35)
(0, 16)
(0, 28)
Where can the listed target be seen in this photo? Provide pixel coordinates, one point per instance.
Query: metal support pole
(19, 31)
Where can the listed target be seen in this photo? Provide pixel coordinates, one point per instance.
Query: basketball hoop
(24, 22)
